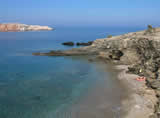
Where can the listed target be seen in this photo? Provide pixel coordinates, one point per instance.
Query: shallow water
(102, 99)
(52, 87)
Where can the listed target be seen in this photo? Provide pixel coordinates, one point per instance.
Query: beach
(142, 100)
(128, 98)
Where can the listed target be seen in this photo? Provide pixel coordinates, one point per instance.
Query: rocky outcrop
(14, 27)
(78, 43)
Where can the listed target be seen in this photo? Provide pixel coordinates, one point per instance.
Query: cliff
(14, 27)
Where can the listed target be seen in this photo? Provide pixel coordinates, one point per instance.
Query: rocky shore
(140, 50)
(15, 27)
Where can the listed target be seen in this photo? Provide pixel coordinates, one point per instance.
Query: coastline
(141, 52)
(137, 101)
(142, 100)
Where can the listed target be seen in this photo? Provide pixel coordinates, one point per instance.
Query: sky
(81, 12)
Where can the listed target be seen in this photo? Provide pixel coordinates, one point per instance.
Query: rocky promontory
(140, 50)
(15, 27)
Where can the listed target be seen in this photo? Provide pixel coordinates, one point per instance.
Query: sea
(57, 87)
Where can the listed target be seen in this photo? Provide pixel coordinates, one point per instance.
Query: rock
(78, 43)
(130, 56)
(116, 54)
(152, 65)
(72, 52)
(155, 84)
(68, 43)
(157, 109)
(153, 116)
(134, 70)
(158, 74)
(111, 55)
(158, 93)
(84, 44)
(148, 56)
(15, 27)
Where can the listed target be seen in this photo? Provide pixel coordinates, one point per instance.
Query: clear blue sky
(81, 12)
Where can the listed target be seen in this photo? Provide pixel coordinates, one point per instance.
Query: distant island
(16, 27)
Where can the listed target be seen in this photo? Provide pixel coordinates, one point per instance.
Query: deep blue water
(33, 87)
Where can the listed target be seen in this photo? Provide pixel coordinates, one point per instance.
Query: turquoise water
(38, 87)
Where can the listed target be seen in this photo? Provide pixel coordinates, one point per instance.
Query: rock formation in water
(68, 43)
(78, 43)
(141, 50)
(84, 44)
(15, 27)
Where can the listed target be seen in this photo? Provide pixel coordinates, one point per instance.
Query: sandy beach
(141, 102)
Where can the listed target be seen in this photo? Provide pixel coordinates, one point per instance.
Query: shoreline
(142, 100)
(139, 100)
(141, 52)
(99, 100)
